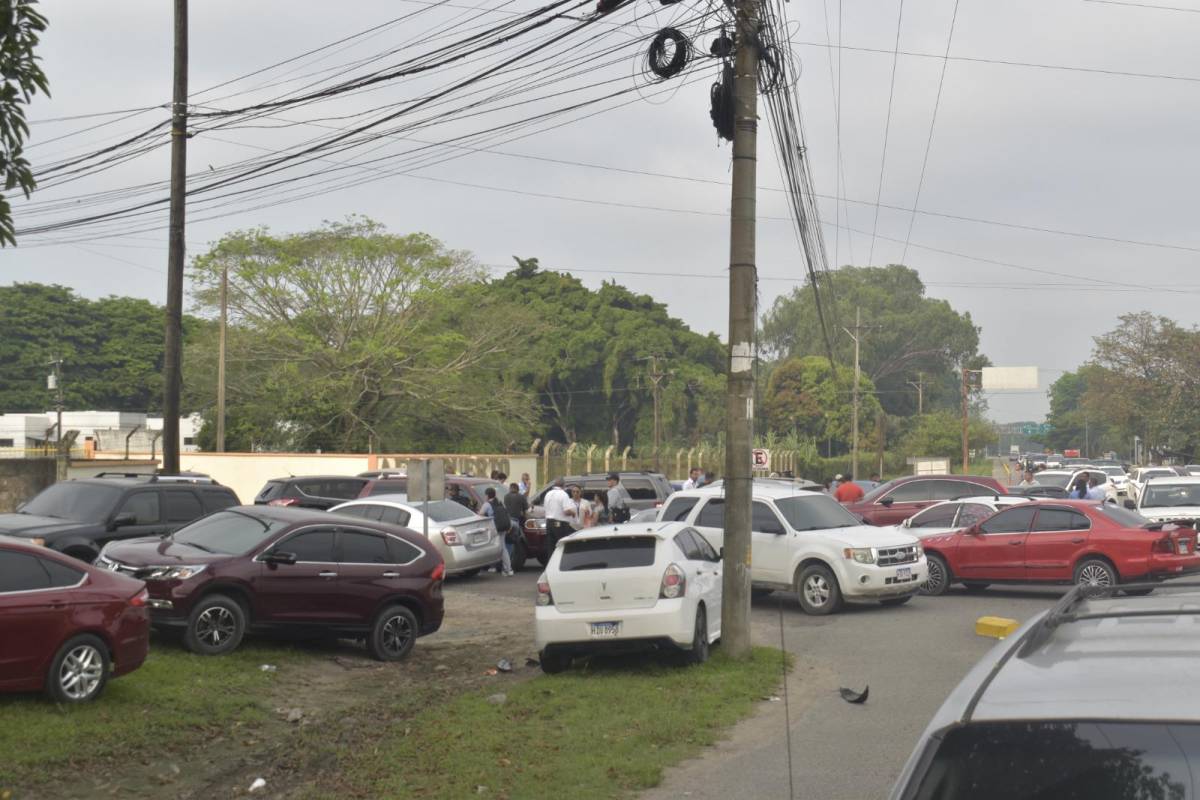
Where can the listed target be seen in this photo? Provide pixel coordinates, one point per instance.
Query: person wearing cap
(618, 499)
(560, 513)
(836, 482)
(848, 492)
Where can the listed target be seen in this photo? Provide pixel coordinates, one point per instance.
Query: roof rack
(146, 475)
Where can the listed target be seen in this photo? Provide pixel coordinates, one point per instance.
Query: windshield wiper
(197, 546)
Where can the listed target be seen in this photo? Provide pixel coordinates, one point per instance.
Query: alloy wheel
(1095, 575)
(936, 577)
(397, 632)
(215, 626)
(81, 672)
(817, 590)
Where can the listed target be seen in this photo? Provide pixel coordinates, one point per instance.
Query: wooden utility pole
(656, 378)
(173, 351)
(221, 360)
(966, 457)
(743, 312)
(856, 335)
(919, 385)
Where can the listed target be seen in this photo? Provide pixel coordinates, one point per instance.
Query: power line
(887, 125)
(1143, 5)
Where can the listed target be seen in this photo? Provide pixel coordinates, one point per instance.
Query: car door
(770, 551)
(146, 507)
(34, 616)
(1059, 535)
(709, 521)
(304, 592)
(995, 549)
(900, 503)
(935, 519)
(181, 506)
(366, 572)
(714, 596)
(700, 574)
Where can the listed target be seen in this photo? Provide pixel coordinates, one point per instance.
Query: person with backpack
(618, 500)
(494, 510)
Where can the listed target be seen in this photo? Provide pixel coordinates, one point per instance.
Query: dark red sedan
(66, 627)
(1059, 541)
(286, 568)
(895, 501)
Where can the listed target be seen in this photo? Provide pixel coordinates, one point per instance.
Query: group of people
(1087, 485)
(508, 514)
(568, 510)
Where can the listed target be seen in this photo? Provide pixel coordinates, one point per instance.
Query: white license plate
(904, 574)
(478, 538)
(605, 630)
(1183, 546)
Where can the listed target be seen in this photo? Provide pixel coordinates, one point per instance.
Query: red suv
(895, 501)
(66, 627)
(279, 567)
(1060, 541)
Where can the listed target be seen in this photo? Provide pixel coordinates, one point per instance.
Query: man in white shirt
(1029, 479)
(1097, 490)
(694, 479)
(560, 513)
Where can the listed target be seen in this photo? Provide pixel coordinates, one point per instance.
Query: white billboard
(995, 378)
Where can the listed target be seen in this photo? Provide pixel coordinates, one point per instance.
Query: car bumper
(872, 581)
(667, 621)
(460, 559)
(1166, 566)
(132, 642)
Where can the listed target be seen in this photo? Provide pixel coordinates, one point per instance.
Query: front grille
(890, 556)
(893, 581)
(123, 569)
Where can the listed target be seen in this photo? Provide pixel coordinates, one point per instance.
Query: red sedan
(65, 626)
(895, 501)
(1060, 541)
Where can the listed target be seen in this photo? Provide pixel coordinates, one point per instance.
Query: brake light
(140, 600)
(544, 598)
(439, 572)
(284, 501)
(450, 536)
(674, 583)
(1163, 545)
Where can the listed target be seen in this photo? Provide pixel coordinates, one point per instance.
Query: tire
(543, 560)
(896, 601)
(818, 590)
(698, 653)
(554, 662)
(393, 634)
(974, 587)
(939, 576)
(519, 556)
(79, 670)
(215, 626)
(1095, 572)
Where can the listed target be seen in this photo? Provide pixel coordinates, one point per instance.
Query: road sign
(760, 458)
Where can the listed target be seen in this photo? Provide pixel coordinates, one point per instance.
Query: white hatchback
(629, 587)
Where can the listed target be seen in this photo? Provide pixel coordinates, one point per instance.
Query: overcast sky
(1088, 152)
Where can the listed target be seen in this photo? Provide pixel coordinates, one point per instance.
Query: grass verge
(173, 700)
(601, 730)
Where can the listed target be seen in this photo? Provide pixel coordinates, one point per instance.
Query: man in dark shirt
(517, 504)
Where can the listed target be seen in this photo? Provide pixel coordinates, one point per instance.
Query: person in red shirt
(848, 492)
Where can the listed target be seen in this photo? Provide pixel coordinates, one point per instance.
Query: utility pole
(54, 383)
(743, 312)
(221, 360)
(856, 335)
(656, 378)
(173, 351)
(966, 385)
(919, 384)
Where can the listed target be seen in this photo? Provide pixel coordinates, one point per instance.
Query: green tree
(804, 397)
(939, 434)
(20, 79)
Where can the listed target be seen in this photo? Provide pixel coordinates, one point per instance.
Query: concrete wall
(22, 478)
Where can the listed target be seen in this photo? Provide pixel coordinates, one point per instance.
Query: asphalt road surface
(910, 656)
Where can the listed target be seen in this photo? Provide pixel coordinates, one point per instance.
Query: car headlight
(920, 551)
(860, 555)
(171, 573)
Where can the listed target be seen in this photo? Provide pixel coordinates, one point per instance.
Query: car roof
(1185, 479)
(765, 488)
(397, 501)
(661, 530)
(988, 500)
(317, 478)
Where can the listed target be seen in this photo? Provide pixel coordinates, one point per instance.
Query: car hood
(869, 536)
(1174, 514)
(30, 525)
(153, 551)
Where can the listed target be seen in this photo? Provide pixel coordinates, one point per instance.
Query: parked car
(310, 491)
(470, 489)
(78, 517)
(895, 501)
(466, 541)
(1169, 500)
(1083, 701)
(952, 515)
(1193, 469)
(1059, 541)
(1141, 475)
(1055, 461)
(1118, 478)
(645, 515)
(1076, 463)
(275, 567)
(1038, 490)
(384, 473)
(66, 627)
(630, 586)
(808, 543)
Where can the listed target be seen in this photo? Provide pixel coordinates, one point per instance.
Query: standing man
(525, 484)
(493, 509)
(695, 479)
(559, 516)
(1029, 479)
(836, 482)
(848, 492)
(618, 499)
(1097, 487)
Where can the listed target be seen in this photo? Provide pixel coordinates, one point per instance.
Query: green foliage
(20, 78)
(939, 434)
(804, 397)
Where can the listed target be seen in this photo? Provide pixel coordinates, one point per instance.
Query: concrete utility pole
(221, 360)
(656, 378)
(743, 300)
(919, 385)
(856, 335)
(173, 351)
(54, 382)
(966, 385)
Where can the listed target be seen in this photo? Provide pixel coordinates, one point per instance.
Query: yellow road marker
(996, 627)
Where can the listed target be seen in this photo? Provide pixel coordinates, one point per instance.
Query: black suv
(310, 491)
(79, 517)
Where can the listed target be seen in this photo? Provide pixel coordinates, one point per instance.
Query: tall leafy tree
(806, 398)
(21, 77)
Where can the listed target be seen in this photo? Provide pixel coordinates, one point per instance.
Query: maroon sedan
(286, 568)
(895, 501)
(66, 627)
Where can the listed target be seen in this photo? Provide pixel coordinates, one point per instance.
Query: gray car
(1091, 699)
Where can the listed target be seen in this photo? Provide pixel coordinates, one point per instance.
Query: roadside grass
(601, 730)
(173, 700)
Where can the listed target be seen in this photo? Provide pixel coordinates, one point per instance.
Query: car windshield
(81, 502)
(229, 532)
(815, 512)
(1058, 479)
(615, 553)
(1123, 516)
(1090, 759)
(1171, 495)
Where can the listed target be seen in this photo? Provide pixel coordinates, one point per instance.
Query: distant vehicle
(1066, 479)
(471, 489)
(1076, 463)
(1054, 461)
(1062, 684)
(78, 517)
(466, 541)
(288, 569)
(1193, 469)
(951, 515)
(1174, 500)
(1038, 491)
(1117, 477)
(310, 491)
(1059, 541)
(67, 627)
(1141, 475)
(895, 501)
(627, 587)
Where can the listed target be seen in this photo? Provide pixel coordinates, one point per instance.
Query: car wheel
(975, 586)
(215, 626)
(79, 670)
(698, 653)
(393, 635)
(518, 556)
(554, 662)
(819, 591)
(895, 601)
(938, 580)
(1094, 572)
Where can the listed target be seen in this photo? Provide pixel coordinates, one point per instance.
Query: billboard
(997, 378)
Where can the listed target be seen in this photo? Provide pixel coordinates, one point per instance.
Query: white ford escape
(808, 543)
(628, 587)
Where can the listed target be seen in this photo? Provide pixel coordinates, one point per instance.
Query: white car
(806, 542)
(1164, 499)
(1066, 479)
(628, 587)
(1117, 477)
(466, 541)
(952, 515)
(1142, 474)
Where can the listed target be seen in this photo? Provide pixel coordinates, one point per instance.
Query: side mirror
(887, 501)
(123, 519)
(1132, 506)
(907, 523)
(276, 557)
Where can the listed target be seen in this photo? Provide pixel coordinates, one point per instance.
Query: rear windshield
(446, 510)
(815, 513)
(626, 551)
(1122, 516)
(1059, 479)
(81, 502)
(269, 492)
(1003, 760)
(229, 532)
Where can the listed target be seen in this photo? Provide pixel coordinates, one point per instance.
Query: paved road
(911, 657)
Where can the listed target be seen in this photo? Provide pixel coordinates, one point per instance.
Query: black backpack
(502, 519)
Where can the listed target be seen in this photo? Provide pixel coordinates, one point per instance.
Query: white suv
(808, 543)
(1169, 499)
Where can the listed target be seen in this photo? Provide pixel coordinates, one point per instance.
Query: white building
(20, 432)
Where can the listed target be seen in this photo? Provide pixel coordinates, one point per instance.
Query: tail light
(284, 501)
(1163, 545)
(544, 598)
(674, 583)
(439, 572)
(140, 600)
(450, 536)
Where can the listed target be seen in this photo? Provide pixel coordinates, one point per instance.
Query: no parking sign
(760, 458)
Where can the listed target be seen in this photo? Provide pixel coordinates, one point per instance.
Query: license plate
(478, 538)
(1183, 546)
(904, 574)
(605, 630)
